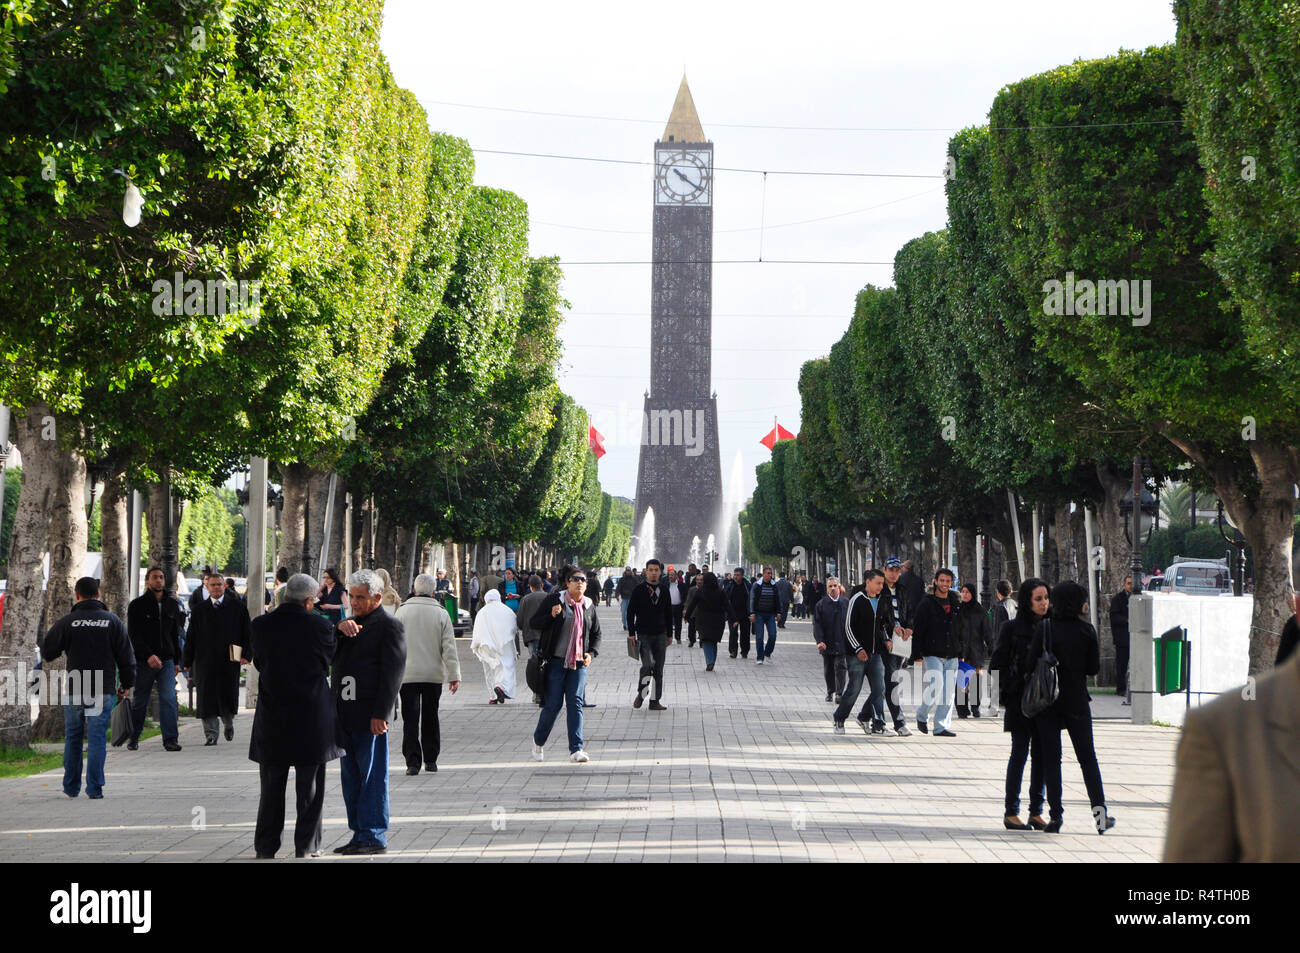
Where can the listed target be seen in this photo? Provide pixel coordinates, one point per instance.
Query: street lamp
(1143, 519)
(1237, 545)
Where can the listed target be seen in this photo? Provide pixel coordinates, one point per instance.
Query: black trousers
(1121, 667)
(963, 698)
(1049, 725)
(1025, 743)
(739, 637)
(654, 650)
(677, 624)
(421, 741)
(309, 783)
(836, 670)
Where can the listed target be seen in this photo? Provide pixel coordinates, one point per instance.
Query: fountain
(710, 544)
(732, 502)
(646, 538)
(695, 550)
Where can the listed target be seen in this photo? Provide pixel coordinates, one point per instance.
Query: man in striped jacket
(867, 623)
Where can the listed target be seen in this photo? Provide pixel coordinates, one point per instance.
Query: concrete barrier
(1218, 629)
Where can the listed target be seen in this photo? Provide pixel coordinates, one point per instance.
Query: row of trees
(1171, 170)
(399, 346)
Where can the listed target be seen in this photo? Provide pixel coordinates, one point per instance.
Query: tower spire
(683, 123)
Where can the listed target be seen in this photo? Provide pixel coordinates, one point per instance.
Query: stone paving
(742, 767)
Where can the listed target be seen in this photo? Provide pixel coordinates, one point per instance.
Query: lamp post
(1238, 548)
(1147, 506)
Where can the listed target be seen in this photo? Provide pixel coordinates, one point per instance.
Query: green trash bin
(449, 603)
(1173, 661)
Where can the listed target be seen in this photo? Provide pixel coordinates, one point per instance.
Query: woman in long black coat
(1010, 658)
(975, 637)
(710, 609)
(1073, 640)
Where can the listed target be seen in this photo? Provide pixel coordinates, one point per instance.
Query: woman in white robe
(494, 645)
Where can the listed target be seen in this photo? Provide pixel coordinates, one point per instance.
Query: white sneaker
(579, 756)
(760, 661)
(537, 752)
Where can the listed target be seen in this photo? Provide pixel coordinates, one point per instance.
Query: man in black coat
(1119, 635)
(935, 643)
(649, 622)
(296, 723)
(154, 623)
(828, 634)
(96, 643)
(737, 590)
(219, 622)
(368, 667)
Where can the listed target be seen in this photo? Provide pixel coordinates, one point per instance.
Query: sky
(863, 87)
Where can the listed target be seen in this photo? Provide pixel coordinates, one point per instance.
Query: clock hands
(680, 175)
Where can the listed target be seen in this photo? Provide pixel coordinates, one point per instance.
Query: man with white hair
(368, 667)
(431, 659)
(296, 721)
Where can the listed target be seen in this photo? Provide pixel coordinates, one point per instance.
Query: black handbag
(535, 674)
(1043, 687)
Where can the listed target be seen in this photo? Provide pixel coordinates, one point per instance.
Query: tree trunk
(386, 544)
(1268, 523)
(966, 543)
(295, 480)
(24, 600)
(402, 561)
(1115, 482)
(318, 489)
(68, 529)
(115, 584)
(1079, 546)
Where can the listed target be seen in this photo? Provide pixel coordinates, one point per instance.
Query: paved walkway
(743, 766)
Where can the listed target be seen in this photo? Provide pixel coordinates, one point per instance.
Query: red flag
(778, 433)
(596, 441)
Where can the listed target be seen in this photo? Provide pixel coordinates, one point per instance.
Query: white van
(1198, 577)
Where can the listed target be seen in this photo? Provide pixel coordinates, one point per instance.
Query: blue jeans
(852, 687)
(710, 652)
(144, 680)
(363, 770)
(79, 719)
(567, 687)
(764, 620)
(879, 670)
(623, 603)
(938, 688)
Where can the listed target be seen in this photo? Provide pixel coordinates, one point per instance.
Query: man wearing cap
(883, 665)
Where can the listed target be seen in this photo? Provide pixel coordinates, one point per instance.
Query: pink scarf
(575, 641)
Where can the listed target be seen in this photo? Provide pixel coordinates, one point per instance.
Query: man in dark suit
(219, 622)
(368, 667)
(296, 722)
(1119, 634)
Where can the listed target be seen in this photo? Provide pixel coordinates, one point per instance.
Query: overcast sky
(913, 73)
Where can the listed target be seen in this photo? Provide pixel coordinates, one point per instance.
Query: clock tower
(680, 473)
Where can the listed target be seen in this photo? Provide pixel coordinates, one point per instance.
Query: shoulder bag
(1043, 686)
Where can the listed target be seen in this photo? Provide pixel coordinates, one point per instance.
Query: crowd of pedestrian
(335, 661)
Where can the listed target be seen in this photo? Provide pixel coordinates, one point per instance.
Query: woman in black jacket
(975, 637)
(1011, 659)
(708, 606)
(1073, 640)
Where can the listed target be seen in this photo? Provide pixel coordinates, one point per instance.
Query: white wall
(1218, 628)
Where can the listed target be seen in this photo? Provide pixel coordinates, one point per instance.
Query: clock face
(683, 177)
